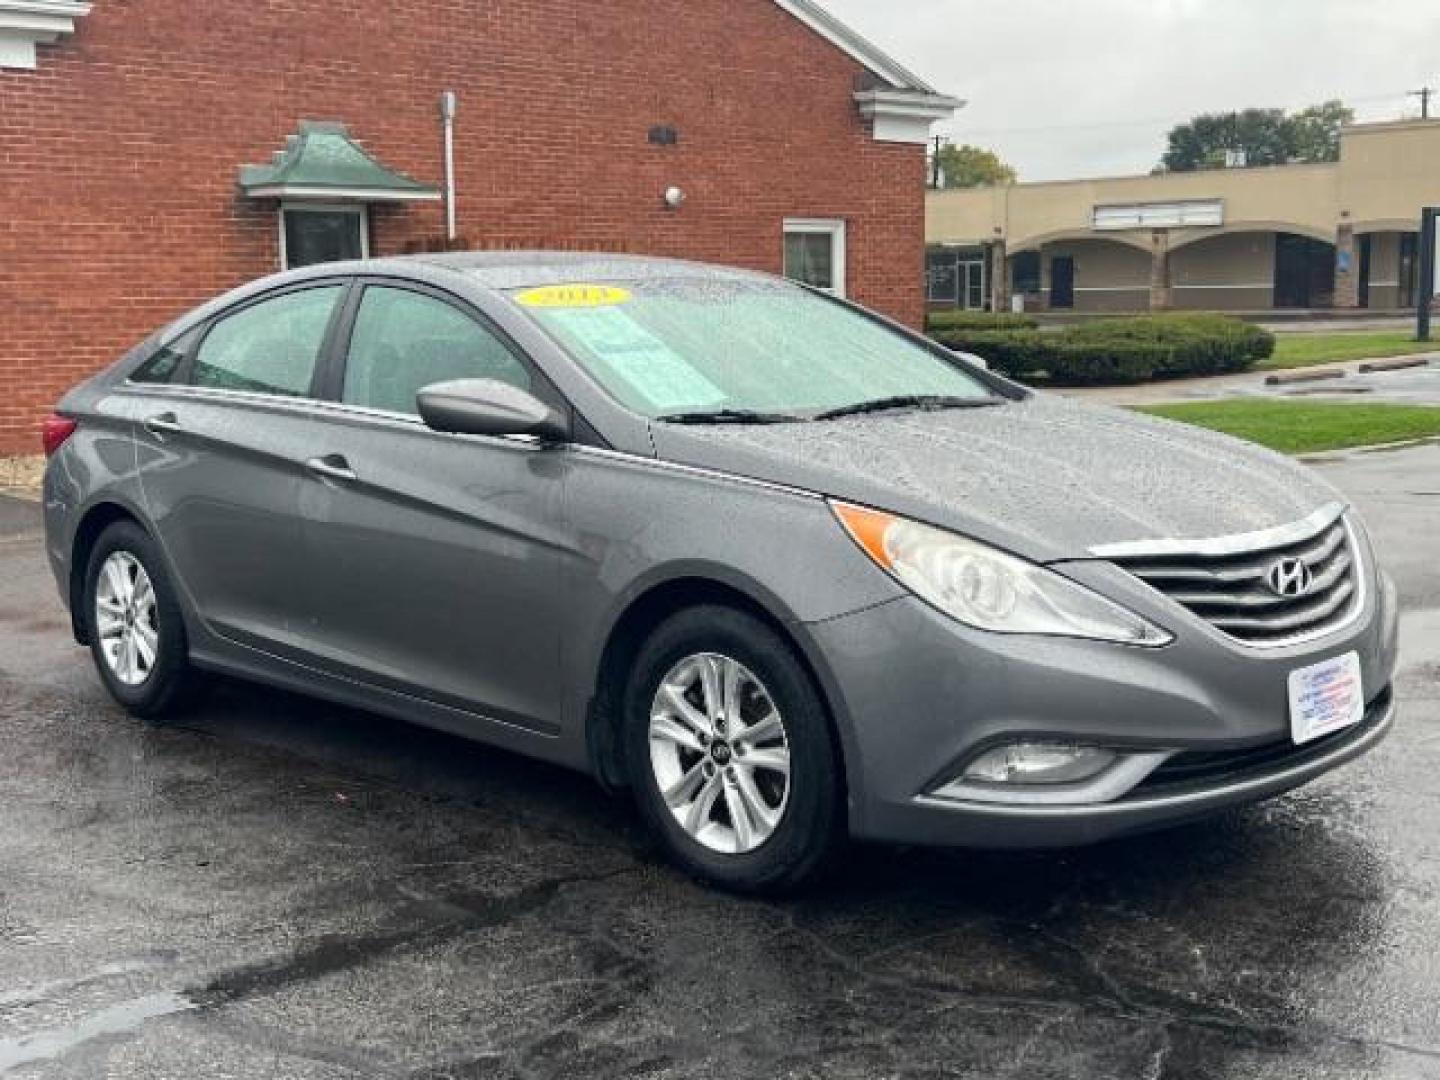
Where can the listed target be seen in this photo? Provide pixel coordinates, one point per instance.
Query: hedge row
(1120, 350)
(979, 320)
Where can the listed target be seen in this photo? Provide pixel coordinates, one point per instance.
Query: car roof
(493, 271)
(504, 270)
(516, 269)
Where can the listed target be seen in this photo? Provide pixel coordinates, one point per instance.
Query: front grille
(1230, 591)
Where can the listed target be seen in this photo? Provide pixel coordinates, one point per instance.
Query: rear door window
(163, 365)
(271, 347)
(404, 341)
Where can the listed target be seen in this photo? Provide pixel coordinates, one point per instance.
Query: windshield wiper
(730, 416)
(923, 402)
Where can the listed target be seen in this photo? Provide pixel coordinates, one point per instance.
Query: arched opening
(1089, 274)
(1252, 270)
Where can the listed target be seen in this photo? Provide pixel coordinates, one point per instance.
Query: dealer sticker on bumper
(1325, 698)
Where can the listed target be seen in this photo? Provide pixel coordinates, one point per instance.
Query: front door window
(404, 341)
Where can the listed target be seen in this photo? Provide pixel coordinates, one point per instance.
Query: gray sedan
(785, 570)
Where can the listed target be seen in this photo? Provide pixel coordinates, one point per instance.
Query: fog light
(1039, 763)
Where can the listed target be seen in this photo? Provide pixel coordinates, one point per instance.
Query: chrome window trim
(308, 404)
(1220, 546)
(365, 412)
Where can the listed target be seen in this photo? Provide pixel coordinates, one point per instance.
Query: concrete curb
(1320, 456)
(1304, 375)
(1394, 363)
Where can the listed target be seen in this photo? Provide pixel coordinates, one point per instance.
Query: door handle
(332, 467)
(166, 423)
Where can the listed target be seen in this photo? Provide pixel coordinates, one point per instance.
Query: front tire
(730, 752)
(136, 631)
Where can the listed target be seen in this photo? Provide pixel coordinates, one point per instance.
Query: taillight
(55, 430)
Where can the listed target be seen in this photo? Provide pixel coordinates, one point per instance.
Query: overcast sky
(1068, 88)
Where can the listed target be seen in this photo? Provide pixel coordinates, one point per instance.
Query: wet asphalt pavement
(276, 888)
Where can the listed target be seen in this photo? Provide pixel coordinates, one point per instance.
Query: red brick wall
(118, 157)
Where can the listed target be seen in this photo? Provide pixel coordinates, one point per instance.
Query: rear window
(163, 365)
(270, 347)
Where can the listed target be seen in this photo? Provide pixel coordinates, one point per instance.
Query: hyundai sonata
(787, 570)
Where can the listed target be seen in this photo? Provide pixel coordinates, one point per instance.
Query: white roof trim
(333, 194)
(905, 116)
(27, 23)
(848, 41)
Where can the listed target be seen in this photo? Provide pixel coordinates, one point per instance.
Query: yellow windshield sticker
(574, 296)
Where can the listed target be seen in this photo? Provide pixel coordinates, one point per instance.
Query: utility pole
(936, 172)
(1424, 95)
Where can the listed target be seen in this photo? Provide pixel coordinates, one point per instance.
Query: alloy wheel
(126, 620)
(720, 753)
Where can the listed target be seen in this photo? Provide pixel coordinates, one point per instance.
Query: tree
(1315, 132)
(970, 167)
(1262, 136)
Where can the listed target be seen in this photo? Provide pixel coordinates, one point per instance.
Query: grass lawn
(1299, 427)
(1304, 350)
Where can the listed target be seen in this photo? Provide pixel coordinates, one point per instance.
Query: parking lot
(277, 888)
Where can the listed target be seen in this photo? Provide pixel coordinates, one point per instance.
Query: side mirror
(489, 407)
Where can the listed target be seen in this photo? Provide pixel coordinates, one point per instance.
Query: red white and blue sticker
(1326, 698)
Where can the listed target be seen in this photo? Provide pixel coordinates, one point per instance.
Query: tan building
(1341, 235)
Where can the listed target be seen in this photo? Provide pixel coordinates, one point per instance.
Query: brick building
(155, 152)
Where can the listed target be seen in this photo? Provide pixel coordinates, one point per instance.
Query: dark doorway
(323, 235)
(1409, 270)
(1365, 258)
(1062, 282)
(1304, 272)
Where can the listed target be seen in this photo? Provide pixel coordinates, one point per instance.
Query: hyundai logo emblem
(1290, 578)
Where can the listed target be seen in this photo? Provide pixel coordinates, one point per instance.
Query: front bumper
(917, 695)
(1146, 808)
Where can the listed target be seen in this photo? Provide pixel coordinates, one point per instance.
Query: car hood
(1045, 477)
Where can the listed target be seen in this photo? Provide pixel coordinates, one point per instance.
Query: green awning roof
(322, 161)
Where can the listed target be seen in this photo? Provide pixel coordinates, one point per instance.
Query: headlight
(985, 588)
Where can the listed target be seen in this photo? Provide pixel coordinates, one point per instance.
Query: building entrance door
(1062, 282)
(1304, 272)
(972, 284)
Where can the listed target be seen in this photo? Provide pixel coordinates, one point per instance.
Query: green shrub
(1120, 350)
(1203, 343)
(1030, 355)
(979, 320)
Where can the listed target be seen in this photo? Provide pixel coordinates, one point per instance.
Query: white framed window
(313, 233)
(815, 253)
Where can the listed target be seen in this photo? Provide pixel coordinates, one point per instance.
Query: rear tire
(133, 622)
(730, 753)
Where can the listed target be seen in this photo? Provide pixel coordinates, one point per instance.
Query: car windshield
(741, 350)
